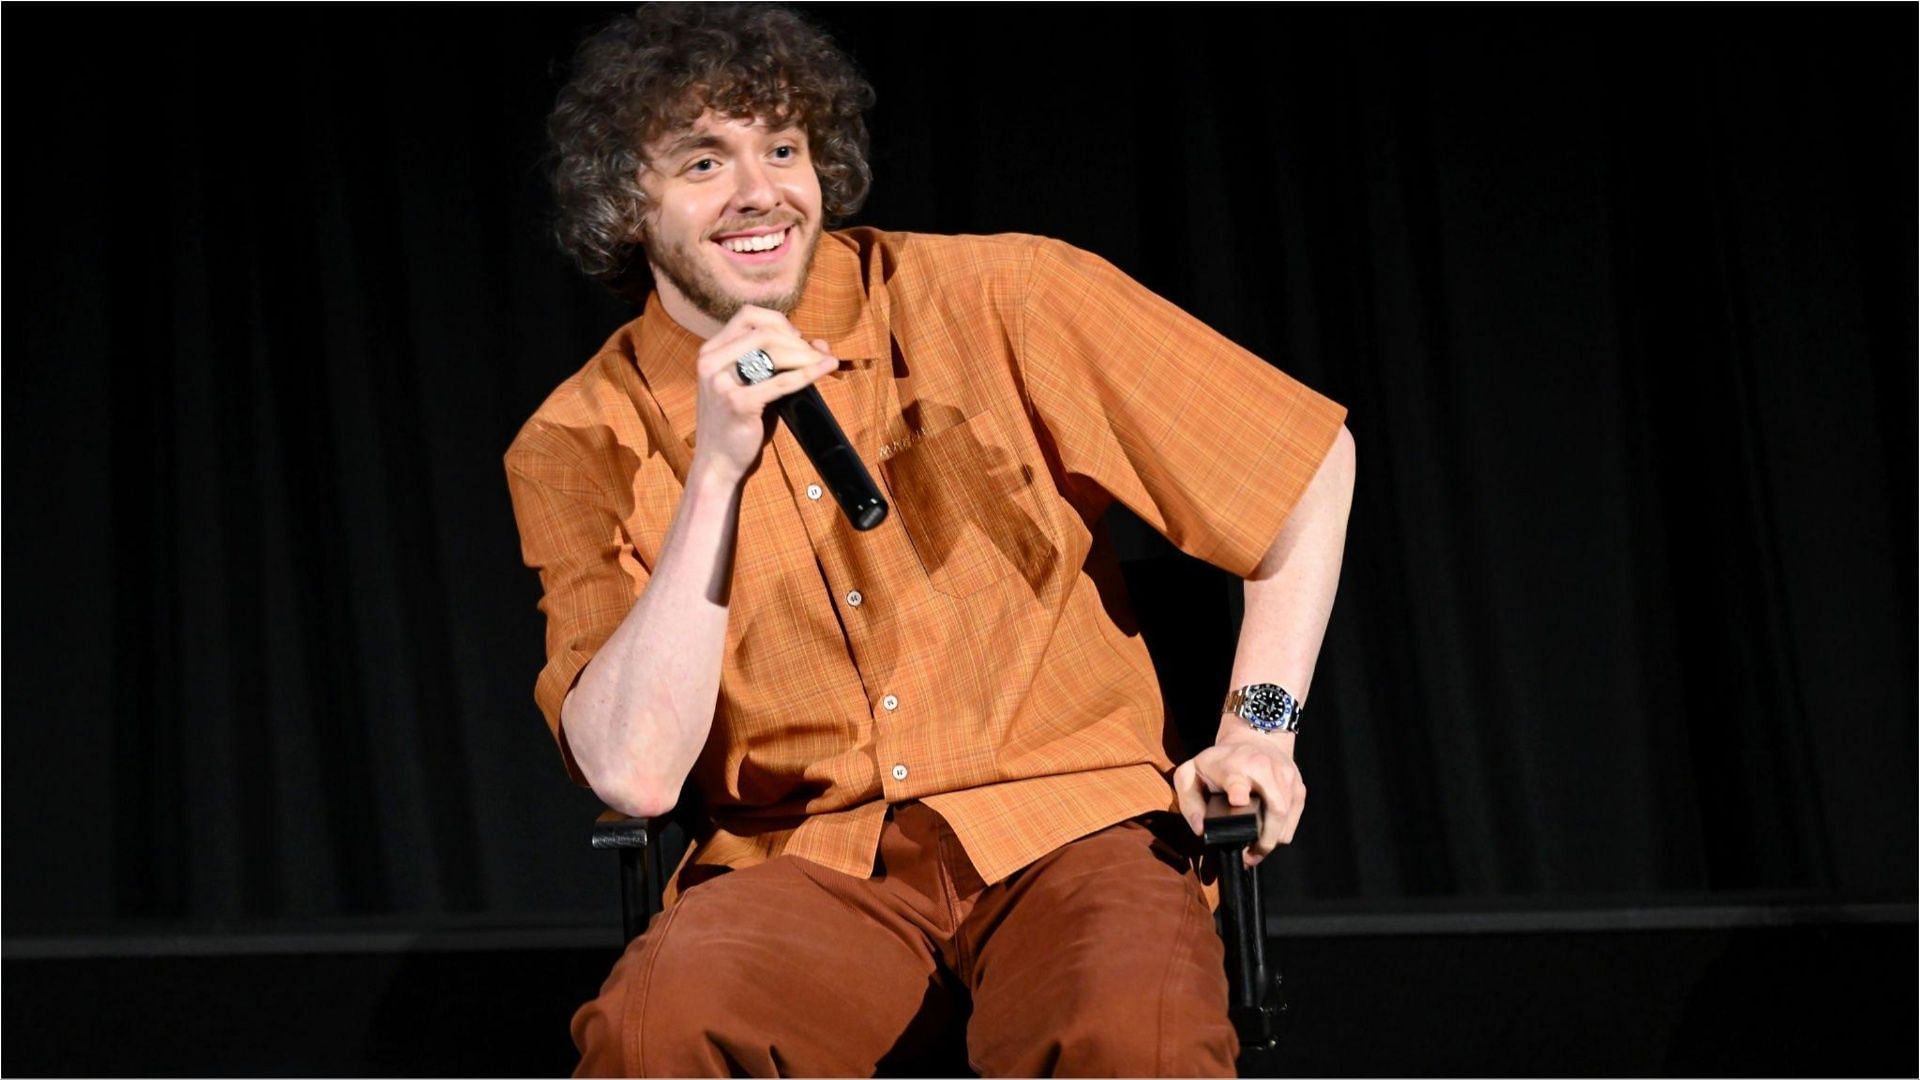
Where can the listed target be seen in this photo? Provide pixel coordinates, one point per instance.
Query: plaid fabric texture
(1003, 391)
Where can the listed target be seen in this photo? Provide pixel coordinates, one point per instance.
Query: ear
(637, 232)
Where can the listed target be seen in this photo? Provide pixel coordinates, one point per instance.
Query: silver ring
(754, 366)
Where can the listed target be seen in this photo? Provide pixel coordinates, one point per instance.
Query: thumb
(1192, 796)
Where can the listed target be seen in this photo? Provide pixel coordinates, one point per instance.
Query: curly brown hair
(657, 70)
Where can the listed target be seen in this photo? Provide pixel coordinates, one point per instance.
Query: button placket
(899, 770)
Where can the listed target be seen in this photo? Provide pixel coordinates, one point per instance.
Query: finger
(784, 356)
(793, 355)
(723, 381)
(1259, 778)
(1292, 824)
(1283, 809)
(751, 398)
(753, 318)
(1220, 774)
(821, 346)
(768, 329)
(1239, 788)
(785, 352)
(720, 350)
(1282, 817)
(1271, 820)
(1192, 796)
(733, 341)
(787, 382)
(735, 396)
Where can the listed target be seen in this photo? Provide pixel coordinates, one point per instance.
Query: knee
(1123, 1046)
(656, 1011)
(1112, 1028)
(1108, 1046)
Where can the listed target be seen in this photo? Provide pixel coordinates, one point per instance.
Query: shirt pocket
(967, 503)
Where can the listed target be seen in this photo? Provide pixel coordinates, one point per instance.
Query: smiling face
(735, 218)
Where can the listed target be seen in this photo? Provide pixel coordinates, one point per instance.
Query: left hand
(1239, 764)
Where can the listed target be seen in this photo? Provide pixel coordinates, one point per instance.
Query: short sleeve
(589, 574)
(1206, 442)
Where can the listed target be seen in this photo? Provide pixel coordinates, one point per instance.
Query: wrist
(711, 474)
(1233, 730)
(1267, 708)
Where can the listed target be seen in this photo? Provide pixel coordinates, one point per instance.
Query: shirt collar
(839, 304)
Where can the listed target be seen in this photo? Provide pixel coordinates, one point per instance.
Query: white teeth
(766, 242)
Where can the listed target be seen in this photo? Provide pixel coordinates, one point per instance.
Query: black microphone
(819, 434)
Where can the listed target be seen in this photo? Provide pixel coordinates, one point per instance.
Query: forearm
(1289, 598)
(643, 707)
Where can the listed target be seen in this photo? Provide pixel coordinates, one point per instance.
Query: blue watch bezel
(1268, 707)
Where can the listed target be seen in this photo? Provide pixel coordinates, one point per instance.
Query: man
(932, 763)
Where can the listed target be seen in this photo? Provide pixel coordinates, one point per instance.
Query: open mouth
(757, 248)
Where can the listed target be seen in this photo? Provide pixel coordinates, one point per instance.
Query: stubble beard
(695, 280)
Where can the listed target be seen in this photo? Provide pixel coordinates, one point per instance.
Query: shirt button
(899, 772)
(891, 704)
(813, 491)
(854, 598)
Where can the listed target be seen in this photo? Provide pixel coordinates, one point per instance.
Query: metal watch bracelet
(1267, 707)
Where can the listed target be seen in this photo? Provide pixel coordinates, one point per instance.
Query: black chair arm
(643, 865)
(1254, 1000)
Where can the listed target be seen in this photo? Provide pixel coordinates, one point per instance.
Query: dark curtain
(1621, 299)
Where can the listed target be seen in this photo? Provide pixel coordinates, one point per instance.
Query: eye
(786, 153)
(705, 164)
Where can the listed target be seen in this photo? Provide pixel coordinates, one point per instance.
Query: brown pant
(1099, 959)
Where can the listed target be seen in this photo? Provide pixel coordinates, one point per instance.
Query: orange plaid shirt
(1003, 390)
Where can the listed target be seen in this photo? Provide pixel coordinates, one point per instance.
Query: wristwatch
(1267, 706)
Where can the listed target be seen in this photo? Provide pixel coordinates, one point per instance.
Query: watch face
(1268, 707)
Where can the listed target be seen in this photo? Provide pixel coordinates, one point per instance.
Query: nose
(753, 187)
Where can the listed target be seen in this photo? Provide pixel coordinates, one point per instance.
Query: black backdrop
(1622, 301)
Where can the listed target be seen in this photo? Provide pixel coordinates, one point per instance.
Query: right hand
(733, 422)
